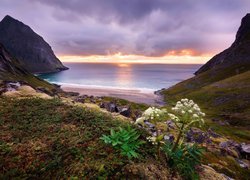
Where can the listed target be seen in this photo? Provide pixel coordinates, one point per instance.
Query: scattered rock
(198, 136)
(213, 134)
(109, 106)
(230, 148)
(80, 99)
(170, 125)
(243, 163)
(126, 111)
(169, 138)
(245, 150)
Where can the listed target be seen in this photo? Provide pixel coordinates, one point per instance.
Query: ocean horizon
(143, 77)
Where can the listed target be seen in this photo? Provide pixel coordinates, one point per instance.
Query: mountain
(33, 52)
(12, 70)
(222, 87)
(237, 56)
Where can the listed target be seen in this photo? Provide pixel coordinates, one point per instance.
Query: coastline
(134, 95)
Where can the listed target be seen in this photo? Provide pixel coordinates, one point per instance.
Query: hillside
(33, 52)
(12, 70)
(236, 57)
(222, 86)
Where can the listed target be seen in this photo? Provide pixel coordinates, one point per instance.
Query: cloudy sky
(184, 31)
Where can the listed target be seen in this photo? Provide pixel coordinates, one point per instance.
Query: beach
(134, 95)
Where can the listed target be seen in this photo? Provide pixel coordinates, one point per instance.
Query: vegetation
(46, 138)
(181, 156)
(185, 159)
(125, 140)
(223, 100)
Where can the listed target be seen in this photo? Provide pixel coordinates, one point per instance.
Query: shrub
(125, 140)
(186, 114)
(184, 159)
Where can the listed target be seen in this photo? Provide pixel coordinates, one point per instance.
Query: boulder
(245, 150)
(126, 111)
(198, 136)
(109, 106)
(230, 148)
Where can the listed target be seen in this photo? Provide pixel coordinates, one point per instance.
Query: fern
(125, 140)
(184, 159)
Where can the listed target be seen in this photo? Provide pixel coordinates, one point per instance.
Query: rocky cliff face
(9, 66)
(11, 70)
(237, 57)
(29, 48)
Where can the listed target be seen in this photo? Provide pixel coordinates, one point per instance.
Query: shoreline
(133, 95)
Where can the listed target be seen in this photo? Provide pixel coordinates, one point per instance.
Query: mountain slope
(237, 55)
(11, 70)
(32, 51)
(222, 87)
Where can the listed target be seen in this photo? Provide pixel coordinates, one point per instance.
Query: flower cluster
(152, 139)
(151, 114)
(187, 112)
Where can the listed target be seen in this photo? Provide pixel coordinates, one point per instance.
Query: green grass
(46, 138)
(225, 100)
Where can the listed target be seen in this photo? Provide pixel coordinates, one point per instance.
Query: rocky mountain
(33, 52)
(12, 70)
(222, 87)
(9, 66)
(237, 56)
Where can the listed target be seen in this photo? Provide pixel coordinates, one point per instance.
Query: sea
(144, 77)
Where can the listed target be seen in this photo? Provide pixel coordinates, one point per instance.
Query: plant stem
(178, 138)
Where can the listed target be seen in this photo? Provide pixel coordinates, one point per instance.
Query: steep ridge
(33, 52)
(237, 56)
(222, 86)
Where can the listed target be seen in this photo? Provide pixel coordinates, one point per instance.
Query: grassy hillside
(47, 138)
(223, 99)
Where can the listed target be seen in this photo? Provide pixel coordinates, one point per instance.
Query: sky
(143, 31)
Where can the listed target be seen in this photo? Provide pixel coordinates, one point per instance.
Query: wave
(143, 90)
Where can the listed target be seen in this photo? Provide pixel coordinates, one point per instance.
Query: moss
(46, 138)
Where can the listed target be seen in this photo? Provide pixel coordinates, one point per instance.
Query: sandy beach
(134, 95)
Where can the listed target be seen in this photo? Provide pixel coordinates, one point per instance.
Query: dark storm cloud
(143, 27)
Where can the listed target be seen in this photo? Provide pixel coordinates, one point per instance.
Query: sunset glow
(124, 59)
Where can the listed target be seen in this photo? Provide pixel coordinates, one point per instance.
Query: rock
(198, 136)
(243, 164)
(34, 53)
(126, 111)
(109, 106)
(212, 133)
(80, 99)
(236, 57)
(169, 138)
(170, 124)
(245, 150)
(149, 125)
(230, 148)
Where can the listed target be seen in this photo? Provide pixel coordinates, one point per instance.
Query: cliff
(12, 70)
(237, 56)
(33, 52)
